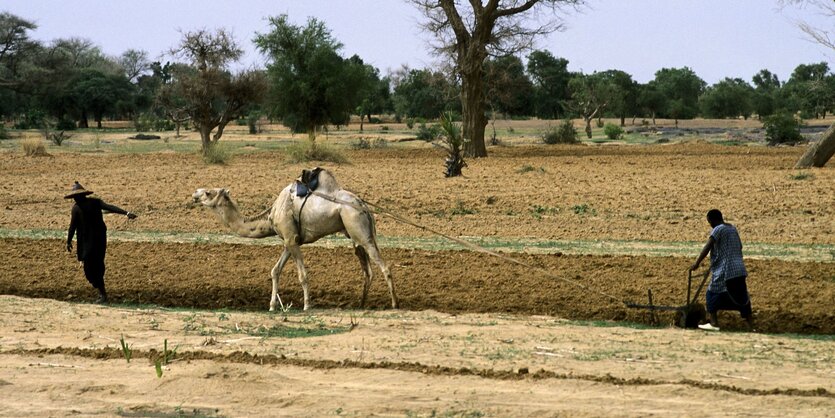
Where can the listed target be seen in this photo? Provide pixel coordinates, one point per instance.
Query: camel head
(212, 198)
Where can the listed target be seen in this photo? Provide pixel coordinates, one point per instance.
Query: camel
(299, 216)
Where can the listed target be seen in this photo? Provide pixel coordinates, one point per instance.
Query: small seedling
(158, 367)
(167, 356)
(126, 350)
(583, 209)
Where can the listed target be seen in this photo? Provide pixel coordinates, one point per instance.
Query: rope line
(475, 247)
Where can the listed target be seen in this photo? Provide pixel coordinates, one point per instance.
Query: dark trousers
(734, 299)
(94, 271)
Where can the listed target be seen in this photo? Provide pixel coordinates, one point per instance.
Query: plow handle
(701, 285)
(689, 280)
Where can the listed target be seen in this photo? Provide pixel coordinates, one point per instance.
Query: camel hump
(318, 179)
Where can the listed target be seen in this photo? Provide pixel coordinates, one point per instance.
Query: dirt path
(392, 363)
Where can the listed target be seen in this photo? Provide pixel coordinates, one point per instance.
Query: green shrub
(410, 123)
(565, 133)
(782, 128)
(65, 124)
(252, 119)
(305, 151)
(216, 154)
(4, 134)
(613, 131)
(146, 122)
(428, 133)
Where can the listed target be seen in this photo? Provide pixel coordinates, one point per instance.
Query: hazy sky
(716, 38)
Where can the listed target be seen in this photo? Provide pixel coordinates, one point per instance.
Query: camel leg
(296, 252)
(275, 274)
(374, 254)
(366, 269)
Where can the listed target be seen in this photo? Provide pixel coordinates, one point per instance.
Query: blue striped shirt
(725, 257)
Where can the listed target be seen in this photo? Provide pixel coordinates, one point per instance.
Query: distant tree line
(308, 85)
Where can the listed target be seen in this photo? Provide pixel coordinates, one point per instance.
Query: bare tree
(213, 96)
(468, 32)
(821, 151)
(134, 62)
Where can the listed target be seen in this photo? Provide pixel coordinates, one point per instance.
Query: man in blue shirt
(727, 289)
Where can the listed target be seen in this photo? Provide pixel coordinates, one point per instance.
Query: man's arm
(705, 251)
(73, 226)
(115, 209)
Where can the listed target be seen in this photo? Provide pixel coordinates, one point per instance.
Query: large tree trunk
(205, 138)
(820, 152)
(472, 106)
(588, 126)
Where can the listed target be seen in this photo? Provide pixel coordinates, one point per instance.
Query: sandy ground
(59, 358)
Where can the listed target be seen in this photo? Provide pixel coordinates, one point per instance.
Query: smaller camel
(301, 216)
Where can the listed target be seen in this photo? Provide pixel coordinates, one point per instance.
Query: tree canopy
(311, 84)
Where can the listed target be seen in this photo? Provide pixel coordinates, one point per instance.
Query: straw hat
(77, 190)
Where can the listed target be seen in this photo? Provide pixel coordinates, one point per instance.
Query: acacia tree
(214, 96)
(590, 95)
(468, 32)
(312, 85)
(14, 38)
(820, 152)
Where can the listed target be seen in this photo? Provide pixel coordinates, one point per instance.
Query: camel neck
(258, 227)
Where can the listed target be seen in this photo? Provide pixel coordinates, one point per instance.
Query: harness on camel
(305, 185)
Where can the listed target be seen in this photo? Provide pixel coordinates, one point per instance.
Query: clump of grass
(363, 143)
(158, 368)
(33, 147)
(216, 154)
(304, 151)
(460, 209)
(537, 211)
(802, 175)
(126, 350)
(583, 209)
(527, 168)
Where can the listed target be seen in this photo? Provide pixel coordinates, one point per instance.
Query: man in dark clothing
(727, 289)
(87, 220)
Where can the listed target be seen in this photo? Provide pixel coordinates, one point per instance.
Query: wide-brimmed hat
(77, 190)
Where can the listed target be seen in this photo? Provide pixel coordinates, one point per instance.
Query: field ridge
(754, 250)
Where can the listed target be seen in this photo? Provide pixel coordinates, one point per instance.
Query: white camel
(299, 220)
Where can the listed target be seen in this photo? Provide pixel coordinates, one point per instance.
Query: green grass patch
(527, 168)
(802, 175)
(281, 331)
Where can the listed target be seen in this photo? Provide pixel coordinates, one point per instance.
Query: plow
(688, 315)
